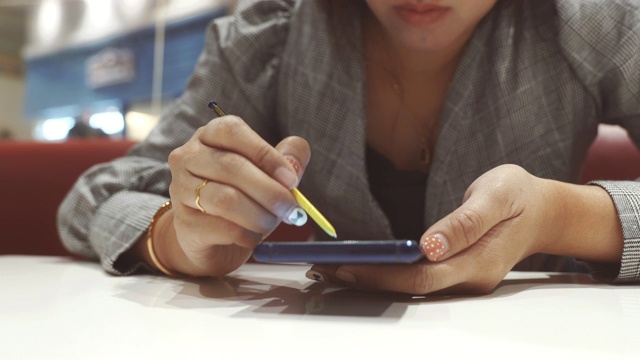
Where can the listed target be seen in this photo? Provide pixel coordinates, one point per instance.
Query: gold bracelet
(163, 209)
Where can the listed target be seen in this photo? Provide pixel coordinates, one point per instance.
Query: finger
(204, 231)
(236, 171)
(234, 135)
(417, 279)
(296, 150)
(229, 203)
(472, 271)
(464, 226)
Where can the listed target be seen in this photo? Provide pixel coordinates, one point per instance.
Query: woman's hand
(246, 195)
(507, 214)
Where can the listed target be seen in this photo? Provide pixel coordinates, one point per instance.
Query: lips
(421, 14)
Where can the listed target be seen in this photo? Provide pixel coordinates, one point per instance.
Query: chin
(427, 40)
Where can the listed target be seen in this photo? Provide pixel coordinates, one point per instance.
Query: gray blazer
(536, 79)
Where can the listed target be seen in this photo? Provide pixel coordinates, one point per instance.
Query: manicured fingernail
(434, 246)
(297, 217)
(345, 276)
(314, 275)
(294, 163)
(286, 177)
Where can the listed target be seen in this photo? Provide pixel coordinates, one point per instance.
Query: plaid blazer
(537, 78)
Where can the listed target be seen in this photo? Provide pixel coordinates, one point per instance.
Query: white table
(58, 308)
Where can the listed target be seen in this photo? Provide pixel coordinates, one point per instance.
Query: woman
(461, 123)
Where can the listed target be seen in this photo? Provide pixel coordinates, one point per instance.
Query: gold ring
(198, 196)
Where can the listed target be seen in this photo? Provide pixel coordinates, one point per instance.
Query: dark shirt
(399, 193)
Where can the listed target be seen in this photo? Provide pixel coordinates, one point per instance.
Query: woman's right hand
(246, 196)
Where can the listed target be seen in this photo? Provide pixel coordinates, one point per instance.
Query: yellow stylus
(300, 199)
(314, 213)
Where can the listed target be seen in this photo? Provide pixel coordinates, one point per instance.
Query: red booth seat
(613, 156)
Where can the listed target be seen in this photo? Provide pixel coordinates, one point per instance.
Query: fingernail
(284, 176)
(314, 275)
(434, 246)
(294, 163)
(345, 276)
(297, 217)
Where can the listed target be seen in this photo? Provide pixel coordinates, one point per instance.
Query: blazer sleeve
(601, 41)
(110, 206)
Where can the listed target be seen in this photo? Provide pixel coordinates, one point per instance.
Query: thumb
(463, 227)
(297, 152)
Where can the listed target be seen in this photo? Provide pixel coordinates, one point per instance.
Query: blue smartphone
(339, 252)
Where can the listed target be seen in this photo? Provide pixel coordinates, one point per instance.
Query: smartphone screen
(339, 252)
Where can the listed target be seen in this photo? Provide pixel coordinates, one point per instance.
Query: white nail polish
(314, 275)
(297, 217)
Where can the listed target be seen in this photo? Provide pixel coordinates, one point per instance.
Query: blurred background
(96, 68)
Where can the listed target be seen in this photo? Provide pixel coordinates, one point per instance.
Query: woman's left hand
(507, 214)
